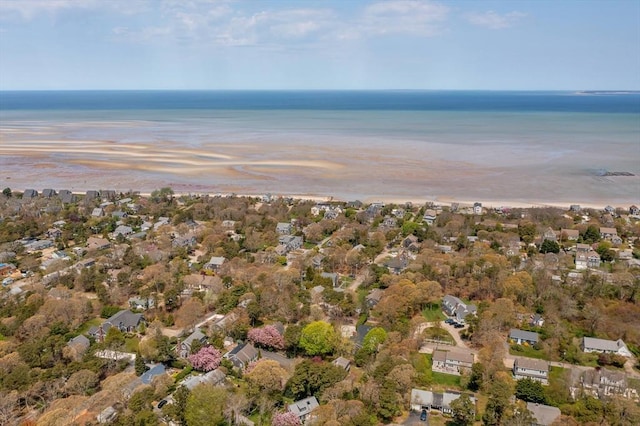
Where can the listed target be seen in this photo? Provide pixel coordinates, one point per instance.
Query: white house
(449, 362)
(441, 401)
(530, 368)
(617, 347)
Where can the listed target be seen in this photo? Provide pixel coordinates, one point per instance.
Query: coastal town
(192, 309)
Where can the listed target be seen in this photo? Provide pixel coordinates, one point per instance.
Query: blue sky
(319, 44)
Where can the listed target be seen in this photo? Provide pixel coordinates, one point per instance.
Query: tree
(82, 382)
(312, 378)
(267, 376)
(176, 410)
(591, 235)
(7, 192)
(205, 406)
(530, 390)
(267, 336)
(549, 246)
(207, 359)
(285, 419)
(519, 416)
(140, 366)
(374, 338)
(463, 410)
(189, 313)
(318, 338)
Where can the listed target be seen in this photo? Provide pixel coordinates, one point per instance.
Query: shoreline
(490, 204)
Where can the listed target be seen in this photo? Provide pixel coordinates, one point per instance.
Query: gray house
(304, 407)
(441, 401)
(521, 337)
(125, 321)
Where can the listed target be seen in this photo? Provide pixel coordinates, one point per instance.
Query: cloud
(414, 17)
(495, 21)
(27, 9)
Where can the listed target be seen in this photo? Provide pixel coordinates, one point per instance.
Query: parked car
(162, 403)
(458, 325)
(449, 321)
(423, 416)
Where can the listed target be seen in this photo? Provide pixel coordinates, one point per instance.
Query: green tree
(463, 410)
(530, 390)
(374, 338)
(312, 378)
(205, 406)
(140, 366)
(591, 235)
(527, 232)
(318, 338)
(7, 192)
(519, 416)
(176, 410)
(475, 378)
(549, 246)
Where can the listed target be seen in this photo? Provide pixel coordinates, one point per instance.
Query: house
(215, 377)
(153, 372)
(97, 212)
(242, 355)
(288, 243)
(53, 233)
(125, 321)
(123, 230)
(530, 368)
(603, 383)
(374, 297)
(477, 208)
(389, 222)
(609, 209)
(38, 245)
(521, 337)
(214, 264)
(107, 194)
(304, 407)
(91, 195)
(187, 241)
(549, 234)
(284, 228)
(397, 264)
(450, 362)
(569, 234)
(29, 194)
(141, 304)
(66, 196)
(79, 344)
(543, 415)
(429, 217)
(440, 401)
(184, 347)
(634, 210)
(342, 363)
(95, 243)
(107, 415)
(456, 308)
(536, 320)
(608, 233)
(576, 208)
(331, 276)
(590, 259)
(580, 248)
(49, 193)
(617, 347)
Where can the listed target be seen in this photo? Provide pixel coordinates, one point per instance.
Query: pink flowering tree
(285, 419)
(206, 359)
(267, 336)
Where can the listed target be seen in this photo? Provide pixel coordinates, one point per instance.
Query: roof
(125, 318)
(342, 362)
(216, 260)
(79, 341)
(436, 399)
(243, 353)
(608, 230)
(196, 335)
(523, 335)
(602, 344)
(156, 370)
(544, 414)
(531, 364)
(443, 356)
(304, 406)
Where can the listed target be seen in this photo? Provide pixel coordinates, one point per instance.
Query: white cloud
(415, 17)
(495, 21)
(27, 9)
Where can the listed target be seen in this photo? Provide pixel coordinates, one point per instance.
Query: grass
(437, 333)
(131, 344)
(448, 380)
(433, 313)
(87, 325)
(528, 351)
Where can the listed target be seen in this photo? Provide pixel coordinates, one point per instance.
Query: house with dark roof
(521, 337)
(284, 228)
(91, 195)
(242, 355)
(29, 194)
(79, 344)
(184, 347)
(530, 368)
(125, 321)
(153, 372)
(303, 408)
(49, 193)
(214, 263)
(374, 297)
(332, 276)
(66, 196)
(457, 309)
(342, 363)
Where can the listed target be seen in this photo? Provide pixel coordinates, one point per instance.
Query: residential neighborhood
(118, 308)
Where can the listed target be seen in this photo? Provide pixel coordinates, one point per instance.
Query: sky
(319, 44)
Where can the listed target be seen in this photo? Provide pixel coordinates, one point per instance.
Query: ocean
(495, 147)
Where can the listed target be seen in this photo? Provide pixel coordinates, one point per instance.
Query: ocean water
(520, 147)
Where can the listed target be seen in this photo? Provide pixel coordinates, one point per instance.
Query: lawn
(91, 323)
(438, 333)
(433, 313)
(131, 344)
(528, 351)
(447, 380)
